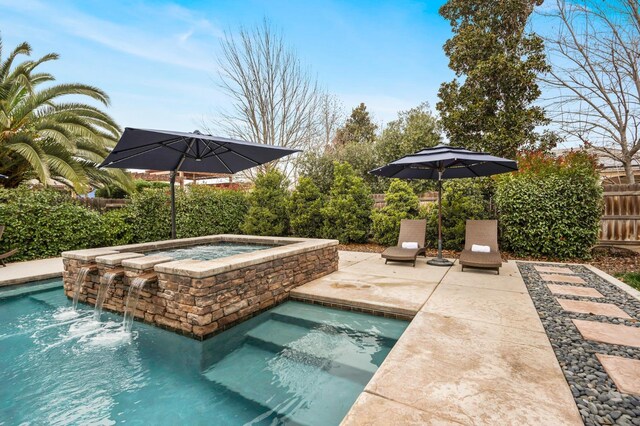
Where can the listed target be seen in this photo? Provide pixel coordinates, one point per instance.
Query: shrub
(304, 209)
(462, 199)
(347, 214)
(119, 227)
(150, 211)
(551, 207)
(44, 223)
(203, 210)
(401, 203)
(267, 213)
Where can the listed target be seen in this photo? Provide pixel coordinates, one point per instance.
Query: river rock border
(595, 394)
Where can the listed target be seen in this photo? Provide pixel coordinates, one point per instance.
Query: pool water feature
(295, 363)
(209, 251)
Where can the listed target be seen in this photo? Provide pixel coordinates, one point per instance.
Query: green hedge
(347, 214)
(401, 203)
(45, 223)
(304, 209)
(551, 207)
(267, 213)
(462, 199)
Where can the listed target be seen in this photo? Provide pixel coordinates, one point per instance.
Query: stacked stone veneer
(202, 298)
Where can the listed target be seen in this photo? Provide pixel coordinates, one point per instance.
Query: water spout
(105, 284)
(132, 301)
(80, 280)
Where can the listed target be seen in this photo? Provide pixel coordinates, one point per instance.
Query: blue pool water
(209, 251)
(295, 364)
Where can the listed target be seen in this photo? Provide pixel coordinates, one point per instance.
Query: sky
(158, 60)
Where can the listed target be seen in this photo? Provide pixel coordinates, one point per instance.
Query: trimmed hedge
(304, 209)
(551, 207)
(347, 214)
(401, 203)
(267, 213)
(45, 223)
(462, 199)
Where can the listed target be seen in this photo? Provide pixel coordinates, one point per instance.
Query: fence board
(620, 222)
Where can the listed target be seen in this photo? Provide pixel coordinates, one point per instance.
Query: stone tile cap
(145, 262)
(572, 290)
(562, 278)
(608, 333)
(594, 308)
(116, 258)
(553, 269)
(87, 255)
(625, 372)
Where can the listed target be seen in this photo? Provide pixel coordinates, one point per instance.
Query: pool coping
(284, 247)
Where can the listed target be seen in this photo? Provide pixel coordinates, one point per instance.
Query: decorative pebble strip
(599, 400)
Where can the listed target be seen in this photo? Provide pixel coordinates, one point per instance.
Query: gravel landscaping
(595, 394)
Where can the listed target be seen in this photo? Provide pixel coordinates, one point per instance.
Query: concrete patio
(474, 353)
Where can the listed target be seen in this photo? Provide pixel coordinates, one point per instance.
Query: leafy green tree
(358, 128)
(304, 209)
(267, 213)
(401, 203)
(490, 105)
(347, 214)
(413, 130)
(44, 137)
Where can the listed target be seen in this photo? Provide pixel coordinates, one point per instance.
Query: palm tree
(48, 139)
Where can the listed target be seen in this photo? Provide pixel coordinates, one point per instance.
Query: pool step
(289, 387)
(51, 299)
(311, 316)
(332, 352)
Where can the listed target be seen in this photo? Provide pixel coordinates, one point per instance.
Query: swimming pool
(294, 364)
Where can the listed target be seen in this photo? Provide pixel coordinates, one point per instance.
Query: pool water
(294, 364)
(209, 251)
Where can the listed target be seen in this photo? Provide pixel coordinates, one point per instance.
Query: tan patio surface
(33, 270)
(475, 352)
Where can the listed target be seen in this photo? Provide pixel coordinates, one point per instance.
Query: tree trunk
(628, 170)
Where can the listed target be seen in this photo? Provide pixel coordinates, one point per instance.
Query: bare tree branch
(275, 101)
(595, 84)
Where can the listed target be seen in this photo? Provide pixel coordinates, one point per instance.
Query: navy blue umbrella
(188, 152)
(445, 162)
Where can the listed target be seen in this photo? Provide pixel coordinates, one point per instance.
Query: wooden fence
(427, 197)
(102, 204)
(620, 223)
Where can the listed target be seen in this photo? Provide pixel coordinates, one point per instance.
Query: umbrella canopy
(452, 162)
(188, 152)
(445, 162)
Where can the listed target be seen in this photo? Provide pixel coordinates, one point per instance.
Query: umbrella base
(439, 261)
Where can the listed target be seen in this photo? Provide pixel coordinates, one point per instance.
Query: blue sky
(158, 60)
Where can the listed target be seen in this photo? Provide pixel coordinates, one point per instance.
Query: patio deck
(474, 353)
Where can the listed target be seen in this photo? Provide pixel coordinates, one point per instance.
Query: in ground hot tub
(201, 293)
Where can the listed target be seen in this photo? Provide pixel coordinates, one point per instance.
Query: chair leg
(385, 261)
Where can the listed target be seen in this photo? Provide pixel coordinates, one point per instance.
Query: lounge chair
(410, 231)
(483, 233)
(3, 256)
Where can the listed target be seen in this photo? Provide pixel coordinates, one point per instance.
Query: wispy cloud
(172, 40)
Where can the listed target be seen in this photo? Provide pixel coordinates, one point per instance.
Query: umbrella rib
(223, 145)
(135, 155)
(162, 143)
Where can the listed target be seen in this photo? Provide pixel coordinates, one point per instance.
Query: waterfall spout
(80, 279)
(105, 285)
(132, 301)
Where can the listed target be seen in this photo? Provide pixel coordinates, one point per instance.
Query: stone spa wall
(201, 298)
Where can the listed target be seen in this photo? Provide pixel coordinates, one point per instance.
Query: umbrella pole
(173, 204)
(439, 260)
